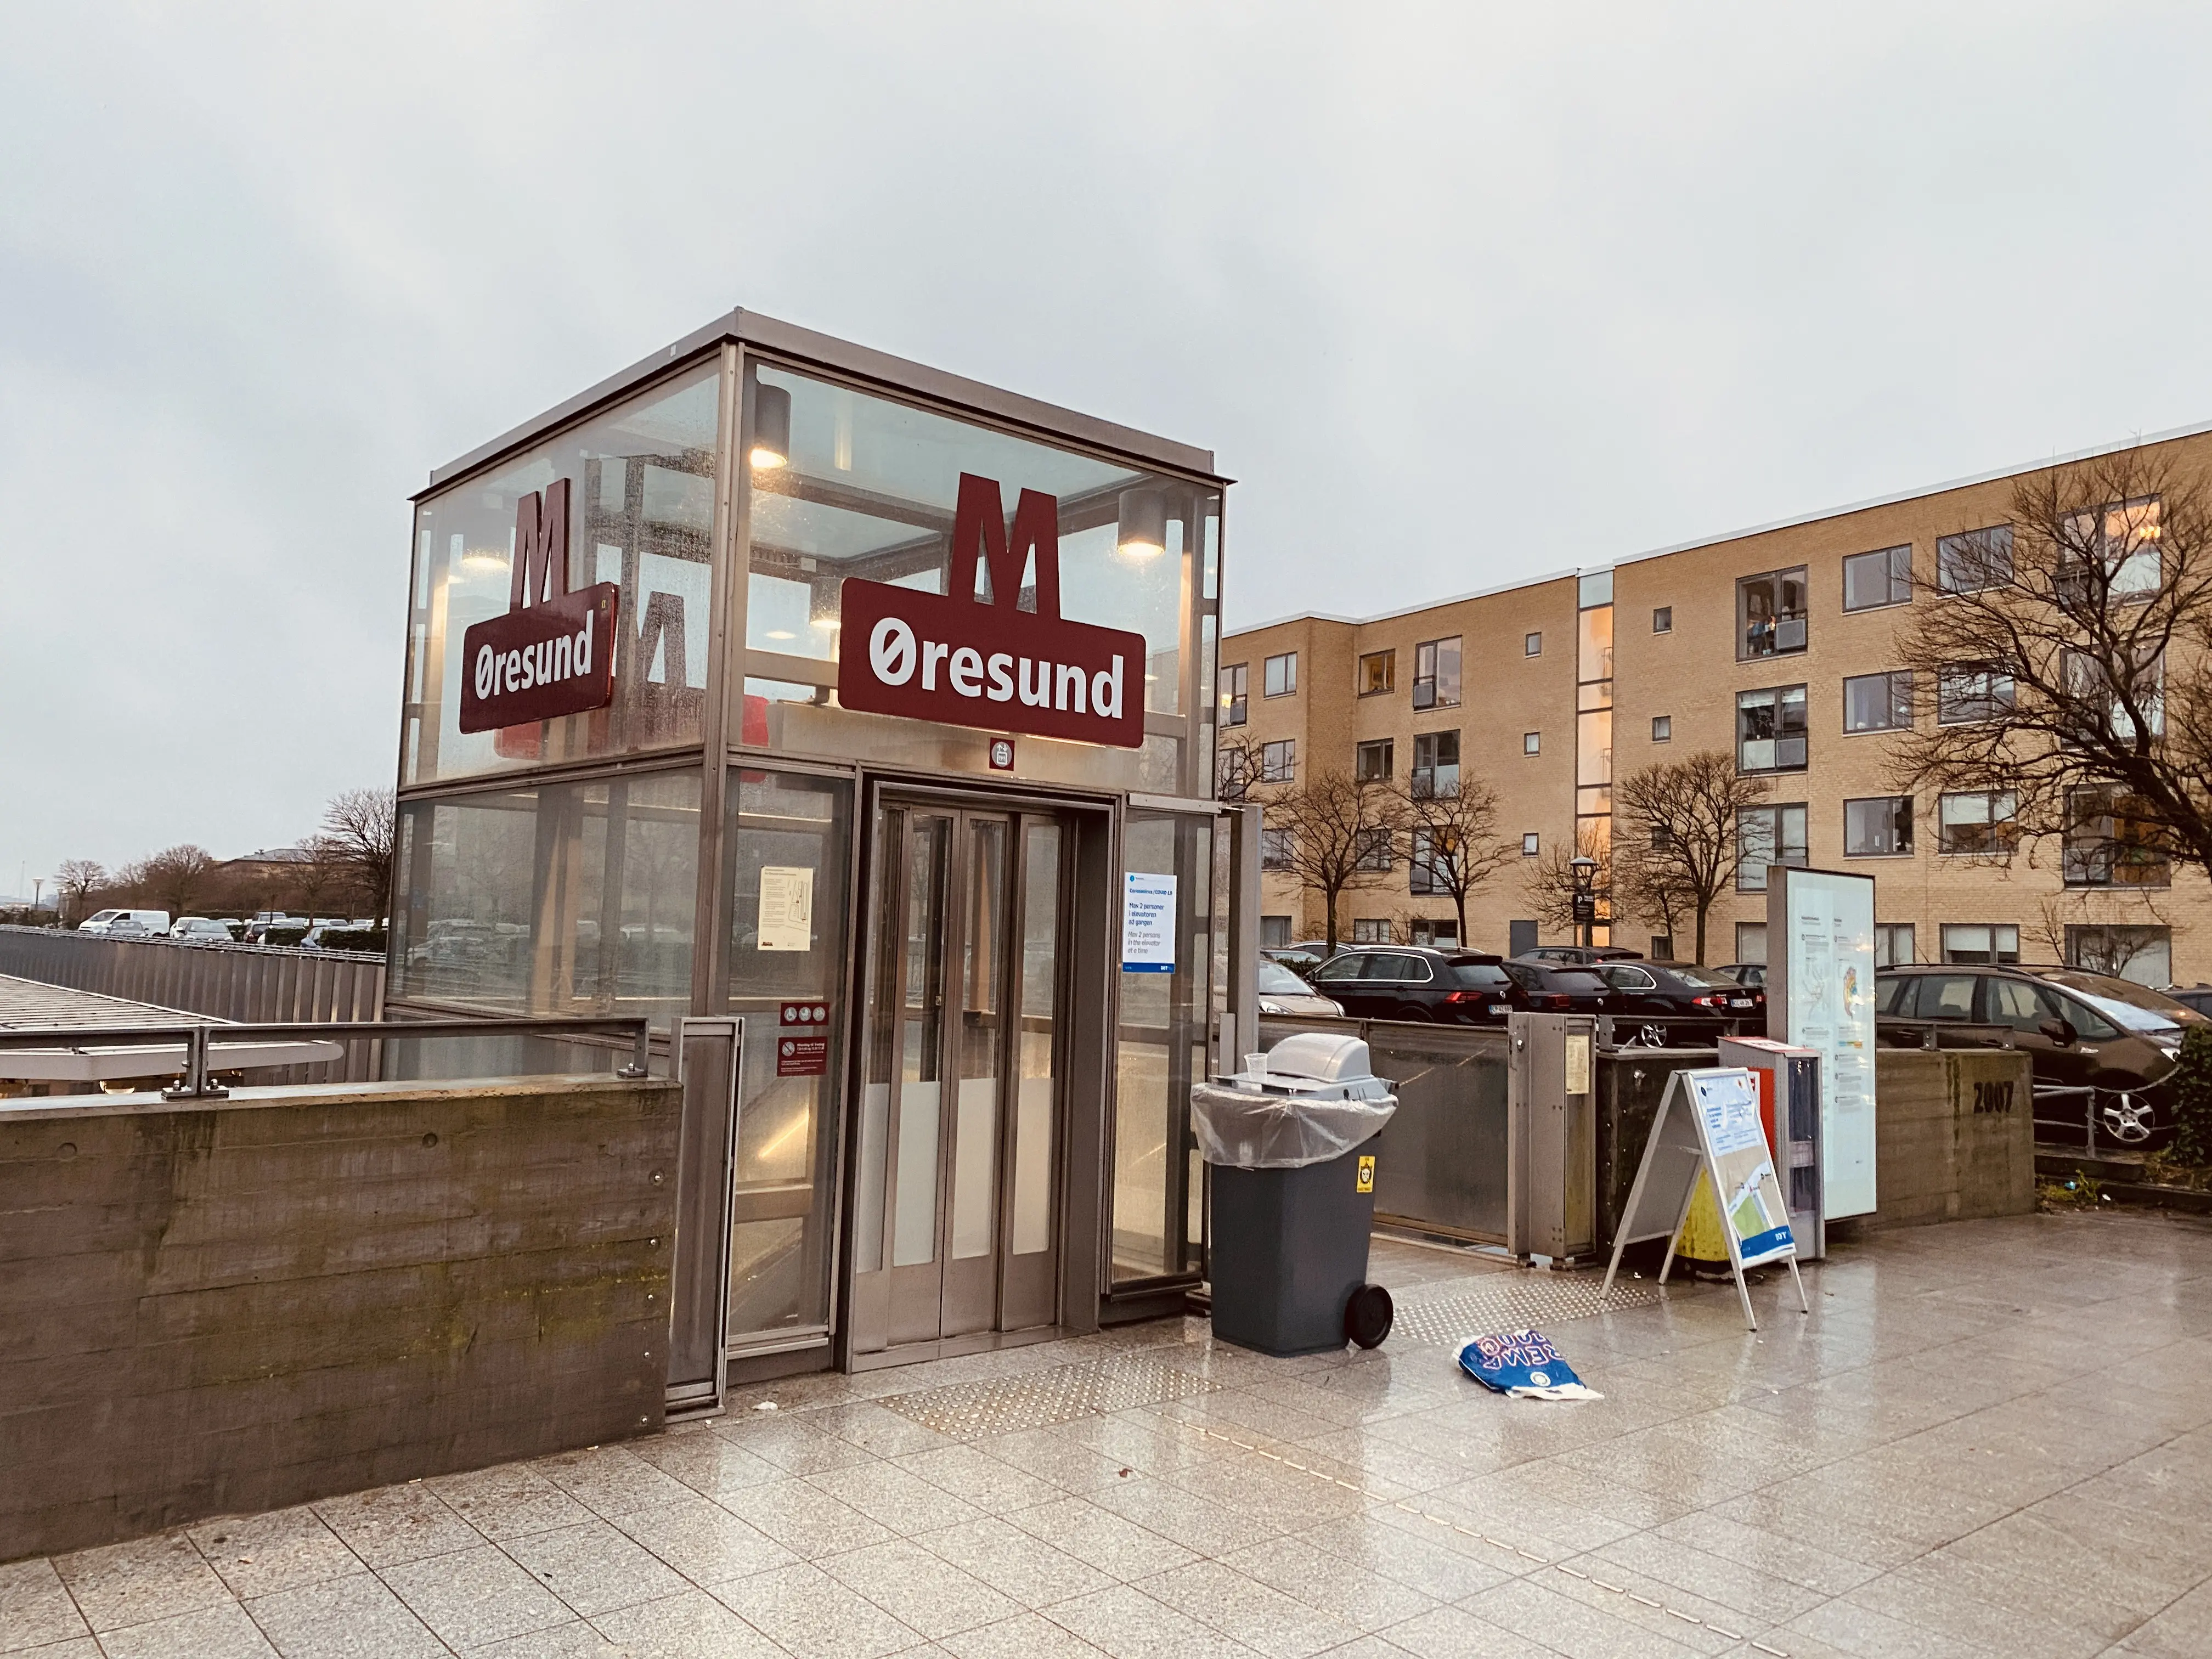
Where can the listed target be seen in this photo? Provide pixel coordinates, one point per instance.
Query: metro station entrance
(960, 1147)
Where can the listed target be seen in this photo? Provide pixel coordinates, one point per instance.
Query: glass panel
(1594, 747)
(883, 1045)
(976, 1133)
(573, 898)
(787, 841)
(641, 515)
(867, 487)
(914, 1238)
(1594, 645)
(1163, 1019)
(1040, 971)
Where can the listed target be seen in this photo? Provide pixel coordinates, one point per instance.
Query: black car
(1681, 988)
(1580, 954)
(2080, 1030)
(2198, 997)
(1417, 982)
(1558, 988)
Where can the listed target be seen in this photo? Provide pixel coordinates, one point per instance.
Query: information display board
(1148, 922)
(1708, 1125)
(1819, 995)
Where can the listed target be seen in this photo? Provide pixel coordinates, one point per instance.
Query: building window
(1980, 822)
(1275, 850)
(1765, 835)
(1981, 942)
(1974, 560)
(1532, 645)
(1283, 675)
(2144, 955)
(1375, 852)
(1439, 935)
(1873, 579)
(1892, 944)
(1424, 876)
(1378, 672)
(1751, 941)
(1435, 763)
(1274, 931)
(1531, 844)
(1279, 761)
(1967, 694)
(1770, 614)
(1770, 730)
(1878, 827)
(1233, 703)
(1370, 930)
(2101, 710)
(1436, 674)
(1532, 743)
(2108, 842)
(1662, 728)
(2126, 544)
(1878, 702)
(1662, 619)
(1370, 762)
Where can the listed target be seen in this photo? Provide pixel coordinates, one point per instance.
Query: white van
(129, 924)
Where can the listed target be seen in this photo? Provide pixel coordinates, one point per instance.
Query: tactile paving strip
(1037, 1399)
(1455, 1308)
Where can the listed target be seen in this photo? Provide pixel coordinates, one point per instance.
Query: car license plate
(1739, 1002)
(1501, 1007)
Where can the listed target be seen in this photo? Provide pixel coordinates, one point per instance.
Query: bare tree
(1235, 769)
(2066, 649)
(2110, 930)
(1678, 840)
(73, 881)
(1333, 832)
(357, 835)
(1452, 837)
(1552, 886)
(1651, 888)
(177, 876)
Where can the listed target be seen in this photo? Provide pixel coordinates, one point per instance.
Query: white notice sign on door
(1148, 923)
(787, 907)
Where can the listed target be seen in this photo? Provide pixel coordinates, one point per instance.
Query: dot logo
(802, 1047)
(1002, 754)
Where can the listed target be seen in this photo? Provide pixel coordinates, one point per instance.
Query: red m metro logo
(960, 660)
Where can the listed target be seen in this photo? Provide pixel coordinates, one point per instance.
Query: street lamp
(1585, 869)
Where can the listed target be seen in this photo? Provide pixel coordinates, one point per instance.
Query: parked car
(2078, 1029)
(1301, 959)
(2198, 997)
(1283, 993)
(258, 929)
(1419, 982)
(1557, 987)
(1745, 973)
(127, 924)
(199, 930)
(1679, 988)
(1580, 953)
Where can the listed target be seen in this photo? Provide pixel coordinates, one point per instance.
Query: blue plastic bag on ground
(1523, 1364)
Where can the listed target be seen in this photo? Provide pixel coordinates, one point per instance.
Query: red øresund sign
(553, 653)
(961, 660)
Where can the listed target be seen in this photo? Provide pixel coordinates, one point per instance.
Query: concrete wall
(1954, 1137)
(231, 1306)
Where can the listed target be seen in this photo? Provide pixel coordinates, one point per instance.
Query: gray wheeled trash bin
(1293, 1148)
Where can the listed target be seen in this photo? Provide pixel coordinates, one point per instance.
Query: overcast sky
(1459, 294)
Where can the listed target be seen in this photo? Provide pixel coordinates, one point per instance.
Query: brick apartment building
(1773, 644)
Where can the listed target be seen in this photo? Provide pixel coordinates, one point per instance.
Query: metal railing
(195, 1078)
(2128, 1117)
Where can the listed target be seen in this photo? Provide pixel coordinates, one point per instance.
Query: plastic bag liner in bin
(1283, 1118)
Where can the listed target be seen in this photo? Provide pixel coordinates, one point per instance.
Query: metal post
(640, 1053)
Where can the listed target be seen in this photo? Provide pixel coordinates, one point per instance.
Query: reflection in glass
(573, 898)
(921, 1043)
(788, 831)
(1039, 977)
(976, 1133)
(641, 517)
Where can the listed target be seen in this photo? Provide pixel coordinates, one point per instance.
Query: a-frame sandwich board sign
(1708, 1121)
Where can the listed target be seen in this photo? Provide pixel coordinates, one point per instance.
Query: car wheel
(1415, 1012)
(2126, 1115)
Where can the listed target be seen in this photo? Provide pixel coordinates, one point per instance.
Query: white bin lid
(1325, 1056)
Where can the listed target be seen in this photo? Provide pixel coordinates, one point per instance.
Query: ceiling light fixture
(1144, 524)
(771, 427)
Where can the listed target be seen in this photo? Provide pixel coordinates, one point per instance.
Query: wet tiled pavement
(1989, 1438)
